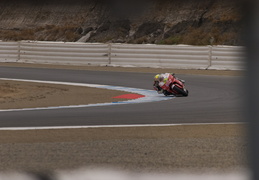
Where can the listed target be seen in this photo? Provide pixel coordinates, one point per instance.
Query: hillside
(198, 22)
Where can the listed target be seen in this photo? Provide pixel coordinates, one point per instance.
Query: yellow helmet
(156, 78)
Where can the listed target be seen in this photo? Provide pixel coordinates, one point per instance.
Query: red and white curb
(144, 95)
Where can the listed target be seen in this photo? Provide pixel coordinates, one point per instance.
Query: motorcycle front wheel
(181, 91)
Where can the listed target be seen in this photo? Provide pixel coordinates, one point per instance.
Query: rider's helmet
(160, 78)
(156, 78)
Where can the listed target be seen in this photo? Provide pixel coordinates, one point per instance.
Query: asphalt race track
(212, 99)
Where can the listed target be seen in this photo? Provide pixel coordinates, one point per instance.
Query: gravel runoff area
(195, 148)
(17, 94)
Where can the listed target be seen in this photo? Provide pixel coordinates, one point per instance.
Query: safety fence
(139, 55)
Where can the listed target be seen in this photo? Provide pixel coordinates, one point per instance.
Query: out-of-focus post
(251, 86)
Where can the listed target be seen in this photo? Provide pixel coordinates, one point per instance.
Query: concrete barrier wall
(139, 55)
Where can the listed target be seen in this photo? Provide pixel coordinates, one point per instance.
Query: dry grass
(47, 33)
(171, 40)
(208, 34)
(71, 33)
(198, 36)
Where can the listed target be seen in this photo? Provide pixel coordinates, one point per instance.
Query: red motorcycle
(168, 84)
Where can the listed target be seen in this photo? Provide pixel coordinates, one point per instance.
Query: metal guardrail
(63, 53)
(181, 56)
(9, 51)
(139, 55)
(227, 57)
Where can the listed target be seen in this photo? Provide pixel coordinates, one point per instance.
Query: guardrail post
(18, 51)
(109, 53)
(209, 57)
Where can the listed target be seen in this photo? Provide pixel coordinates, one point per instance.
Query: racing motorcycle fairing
(171, 86)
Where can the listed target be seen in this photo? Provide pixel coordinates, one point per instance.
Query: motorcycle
(172, 86)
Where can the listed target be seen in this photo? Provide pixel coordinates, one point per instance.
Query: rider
(162, 82)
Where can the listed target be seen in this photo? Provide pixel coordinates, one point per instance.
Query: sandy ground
(195, 148)
(199, 148)
(16, 94)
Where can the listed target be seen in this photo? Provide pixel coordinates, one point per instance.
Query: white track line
(149, 95)
(117, 126)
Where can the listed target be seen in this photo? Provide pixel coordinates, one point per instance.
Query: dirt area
(17, 94)
(198, 148)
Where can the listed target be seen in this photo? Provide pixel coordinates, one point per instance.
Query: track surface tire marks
(212, 99)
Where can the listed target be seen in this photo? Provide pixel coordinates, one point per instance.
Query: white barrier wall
(63, 53)
(180, 56)
(139, 55)
(227, 57)
(9, 51)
